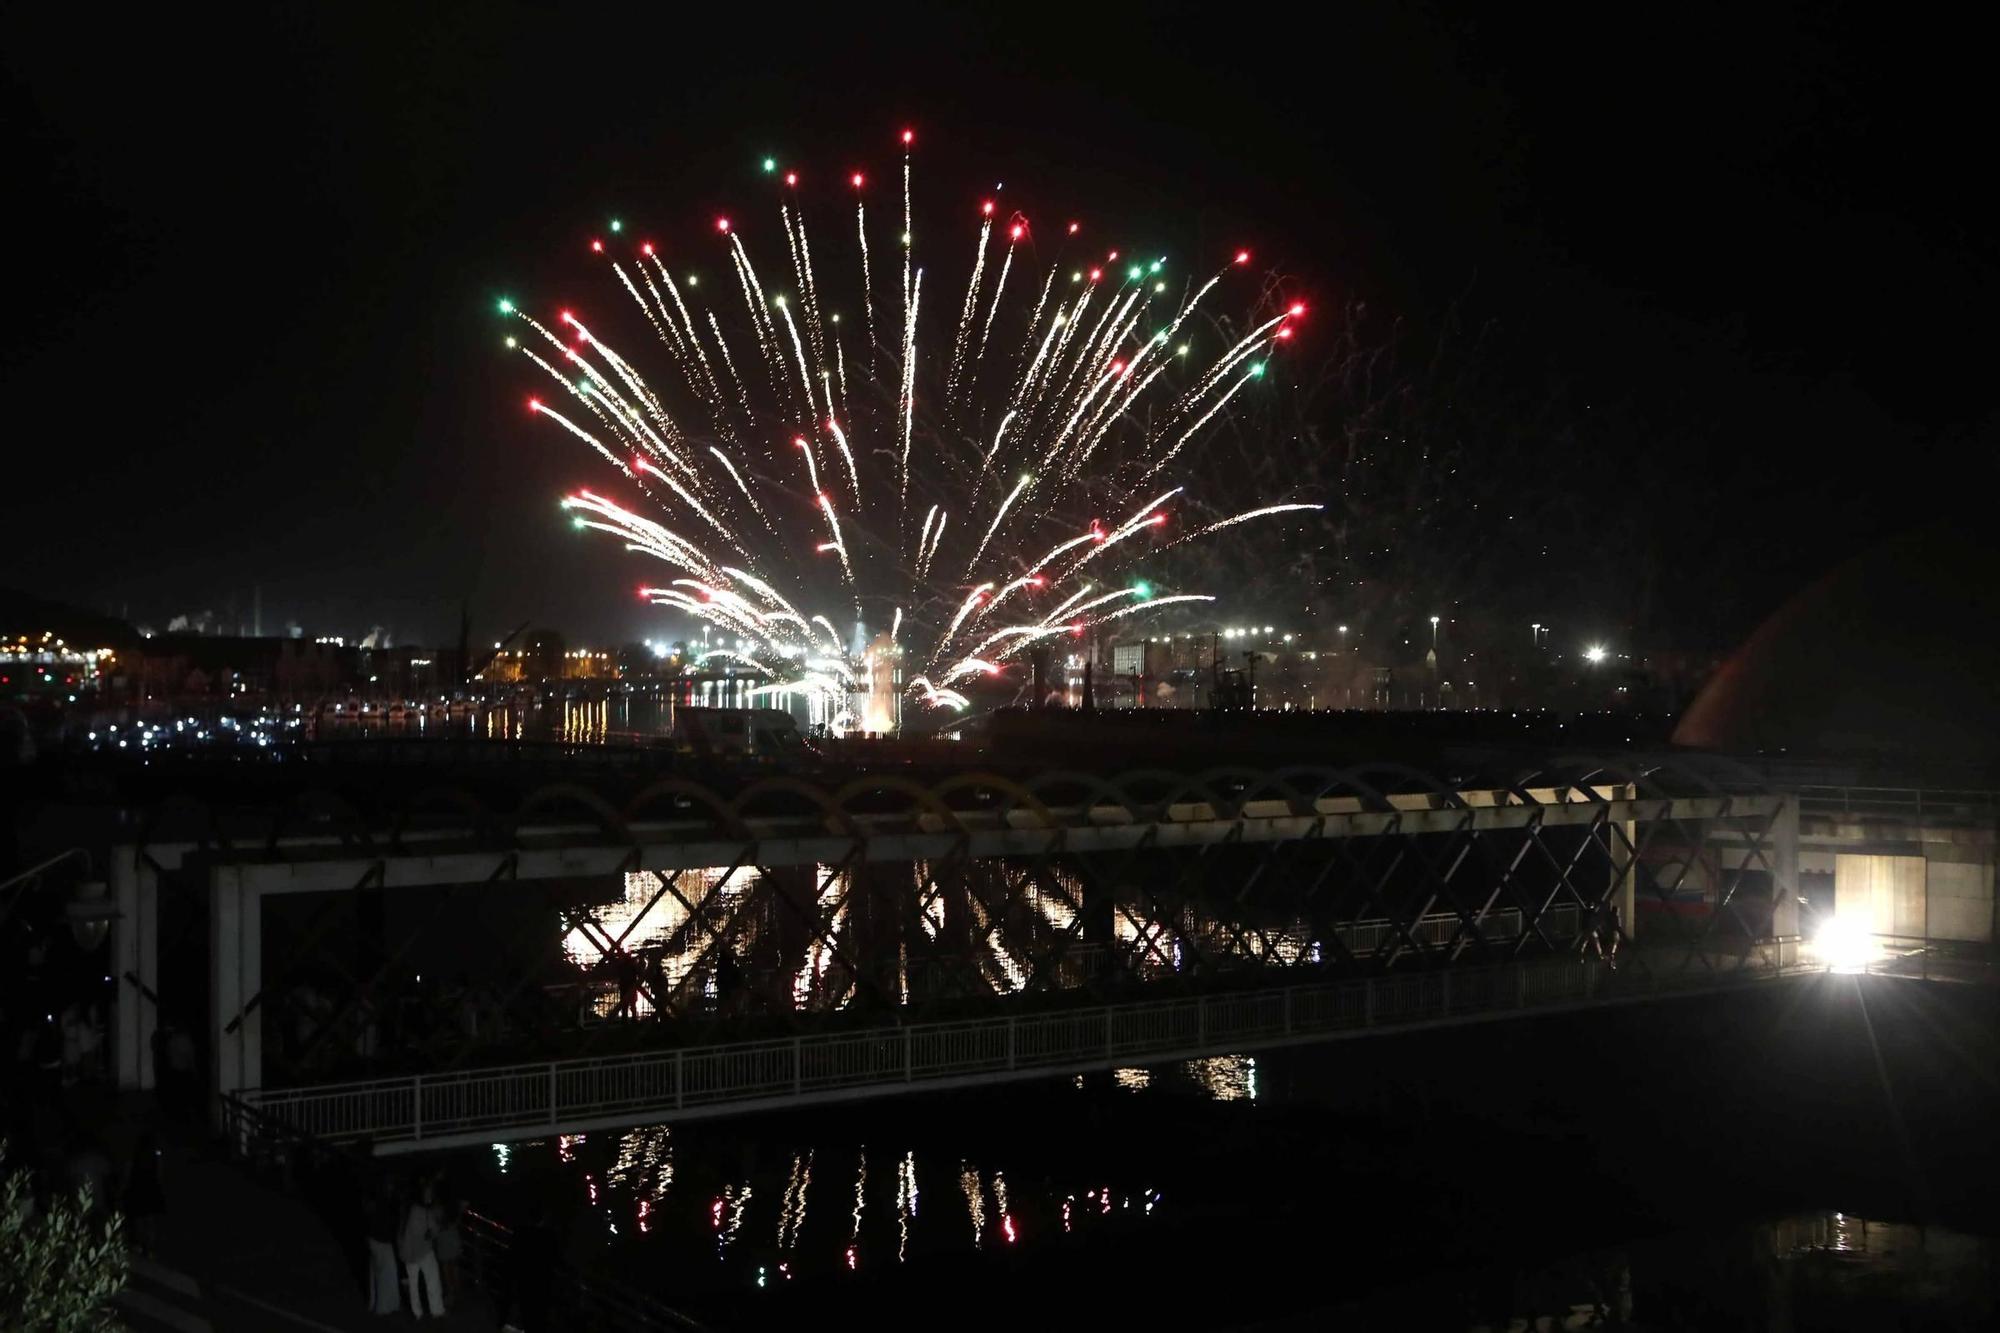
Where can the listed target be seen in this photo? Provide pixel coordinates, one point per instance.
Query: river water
(1468, 1180)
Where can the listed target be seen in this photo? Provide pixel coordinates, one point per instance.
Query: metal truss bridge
(455, 974)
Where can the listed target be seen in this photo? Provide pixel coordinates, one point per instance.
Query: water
(1703, 1164)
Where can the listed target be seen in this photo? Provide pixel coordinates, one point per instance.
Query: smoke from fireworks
(980, 478)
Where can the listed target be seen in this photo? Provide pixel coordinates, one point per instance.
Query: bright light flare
(1845, 945)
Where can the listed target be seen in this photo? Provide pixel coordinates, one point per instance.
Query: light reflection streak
(726, 1214)
(645, 1163)
(975, 1201)
(860, 1199)
(906, 1203)
(792, 1208)
(1000, 1202)
(1226, 1078)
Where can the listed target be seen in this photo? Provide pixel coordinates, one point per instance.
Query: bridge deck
(421, 1112)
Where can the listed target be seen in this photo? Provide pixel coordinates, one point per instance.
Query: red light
(791, 178)
(856, 178)
(909, 137)
(1113, 257)
(1036, 581)
(986, 209)
(1072, 228)
(1076, 630)
(1096, 273)
(597, 246)
(1284, 333)
(831, 424)
(566, 317)
(1118, 367)
(1156, 520)
(1242, 256)
(722, 224)
(800, 441)
(1016, 231)
(534, 404)
(1298, 307)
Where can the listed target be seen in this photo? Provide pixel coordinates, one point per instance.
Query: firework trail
(781, 487)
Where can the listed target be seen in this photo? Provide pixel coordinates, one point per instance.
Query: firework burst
(980, 475)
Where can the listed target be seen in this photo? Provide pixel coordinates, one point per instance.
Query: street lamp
(1535, 630)
(1594, 653)
(1434, 633)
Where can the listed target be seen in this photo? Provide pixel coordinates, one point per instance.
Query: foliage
(59, 1268)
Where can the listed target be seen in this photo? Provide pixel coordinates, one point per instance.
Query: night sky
(254, 258)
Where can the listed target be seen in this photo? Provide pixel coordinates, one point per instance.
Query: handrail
(523, 1099)
(250, 1134)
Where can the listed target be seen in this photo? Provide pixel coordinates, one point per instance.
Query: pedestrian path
(159, 1298)
(236, 1254)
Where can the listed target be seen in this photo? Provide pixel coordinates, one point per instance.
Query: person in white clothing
(417, 1246)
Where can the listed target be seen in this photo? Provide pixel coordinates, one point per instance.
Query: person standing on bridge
(417, 1246)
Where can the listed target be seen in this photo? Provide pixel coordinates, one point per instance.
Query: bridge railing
(1917, 803)
(556, 1096)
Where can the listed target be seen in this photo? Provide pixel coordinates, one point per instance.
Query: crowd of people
(415, 1248)
(416, 1239)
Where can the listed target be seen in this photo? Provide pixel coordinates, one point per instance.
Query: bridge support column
(791, 928)
(236, 976)
(1784, 838)
(135, 967)
(1625, 872)
(876, 907)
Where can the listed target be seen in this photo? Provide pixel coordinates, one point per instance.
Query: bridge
(445, 973)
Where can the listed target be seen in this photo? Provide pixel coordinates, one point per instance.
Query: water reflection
(730, 1215)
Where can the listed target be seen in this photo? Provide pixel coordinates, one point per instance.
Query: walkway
(235, 1255)
(420, 1112)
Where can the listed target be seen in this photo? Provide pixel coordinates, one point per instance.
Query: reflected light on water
(1226, 1078)
(792, 1208)
(975, 1201)
(860, 1200)
(645, 1164)
(906, 1203)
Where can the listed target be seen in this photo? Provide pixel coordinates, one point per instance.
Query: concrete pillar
(1784, 842)
(1625, 869)
(236, 968)
(790, 936)
(135, 967)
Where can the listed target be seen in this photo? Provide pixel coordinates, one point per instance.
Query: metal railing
(403, 1114)
(1918, 803)
(1916, 958)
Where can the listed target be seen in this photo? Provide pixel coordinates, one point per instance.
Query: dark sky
(254, 258)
